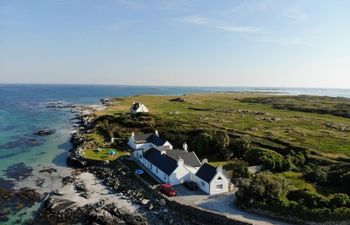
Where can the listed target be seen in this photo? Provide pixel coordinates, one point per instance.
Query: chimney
(162, 152)
(205, 160)
(219, 169)
(156, 132)
(180, 161)
(185, 146)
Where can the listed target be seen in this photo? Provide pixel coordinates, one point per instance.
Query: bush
(271, 160)
(262, 187)
(339, 200)
(240, 170)
(239, 146)
(317, 175)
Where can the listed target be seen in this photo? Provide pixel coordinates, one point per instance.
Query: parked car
(168, 190)
(191, 185)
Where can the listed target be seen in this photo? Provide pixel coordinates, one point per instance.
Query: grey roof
(206, 172)
(168, 162)
(149, 138)
(135, 106)
(190, 158)
(161, 161)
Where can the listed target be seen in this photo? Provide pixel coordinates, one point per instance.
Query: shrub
(262, 187)
(339, 200)
(271, 160)
(317, 174)
(239, 146)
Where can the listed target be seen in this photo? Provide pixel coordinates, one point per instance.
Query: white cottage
(138, 107)
(172, 166)
(140, 143)
(211, 180)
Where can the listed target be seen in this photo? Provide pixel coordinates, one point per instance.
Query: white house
(138, 107)
(172, 166)
(140, 143)
(211, 180)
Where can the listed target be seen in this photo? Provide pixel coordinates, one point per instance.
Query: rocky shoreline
(101, 193)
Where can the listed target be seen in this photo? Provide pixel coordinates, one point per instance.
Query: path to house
(224, 204)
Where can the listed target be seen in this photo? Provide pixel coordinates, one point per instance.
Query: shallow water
(23, 111)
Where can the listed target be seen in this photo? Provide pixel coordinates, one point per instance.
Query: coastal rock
(23, 142)
(26, 194)
(178, 100)
(48, 170)
(45, 132)
(67, 180)
(103, 217)
(57, 205)
(18, 171)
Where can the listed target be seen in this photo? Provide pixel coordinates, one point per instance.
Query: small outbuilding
(211, 179)
(138, 107)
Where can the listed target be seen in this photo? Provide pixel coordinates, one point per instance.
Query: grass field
(103, 154)
(320, 132)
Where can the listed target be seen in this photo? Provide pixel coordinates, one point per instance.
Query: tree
(262, 187)
(202, 144)
(240, 145)
(221, 142)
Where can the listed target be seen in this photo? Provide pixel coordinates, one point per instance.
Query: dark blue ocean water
(22, 111)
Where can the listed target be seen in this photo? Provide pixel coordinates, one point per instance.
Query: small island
(286, 157)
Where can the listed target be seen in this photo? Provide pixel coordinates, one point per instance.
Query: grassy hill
(233, 111)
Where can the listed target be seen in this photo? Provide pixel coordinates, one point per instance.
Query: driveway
(223, 204)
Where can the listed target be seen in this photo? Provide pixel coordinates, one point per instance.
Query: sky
(267, 43)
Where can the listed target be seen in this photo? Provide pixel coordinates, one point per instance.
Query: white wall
(142, 108)
(215, 182)
(145, 146)
(180, 175)
(204, 186)
(158, 173)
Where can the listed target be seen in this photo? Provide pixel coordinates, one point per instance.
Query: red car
(167, 190)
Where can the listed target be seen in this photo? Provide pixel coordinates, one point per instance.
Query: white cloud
(216, 24)
(196, 20)
(295, 15)
(241, 29)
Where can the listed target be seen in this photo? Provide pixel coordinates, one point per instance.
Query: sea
(23, 110)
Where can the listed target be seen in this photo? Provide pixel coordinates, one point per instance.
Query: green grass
(226, 165)
(227, 111)
(103, 155)
(297, 181)
(132, 165)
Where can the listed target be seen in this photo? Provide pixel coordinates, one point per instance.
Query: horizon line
(173, 86)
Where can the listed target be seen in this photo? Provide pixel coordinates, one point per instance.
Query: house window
(151, 166)
(156, 170)
(219, 178)
(165, 177)
(219, 187)
(202, 183)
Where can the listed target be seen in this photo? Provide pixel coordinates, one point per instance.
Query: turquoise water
(22, 111)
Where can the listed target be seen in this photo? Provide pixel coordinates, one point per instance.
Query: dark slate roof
(168, 162)
(206, 172)
(162, 161)
(190, 158)
(149, 138)
(135, 106)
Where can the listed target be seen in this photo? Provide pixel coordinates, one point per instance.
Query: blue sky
(285, 43)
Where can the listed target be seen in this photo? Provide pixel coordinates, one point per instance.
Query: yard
(104, 154)
(133, 166)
